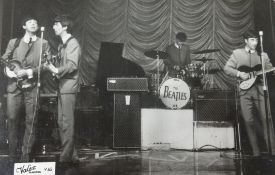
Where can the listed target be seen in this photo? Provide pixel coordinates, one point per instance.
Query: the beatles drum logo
(174, 93)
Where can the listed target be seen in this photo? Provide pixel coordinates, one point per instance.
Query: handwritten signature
(25, 169)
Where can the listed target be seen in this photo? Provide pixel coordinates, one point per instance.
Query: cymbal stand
(206, 75)
(204, 66)
(157, 74)
(204, 63)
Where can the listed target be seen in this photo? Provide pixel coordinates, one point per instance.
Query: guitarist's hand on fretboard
(50, 67)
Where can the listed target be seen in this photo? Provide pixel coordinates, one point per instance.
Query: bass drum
(174, 93)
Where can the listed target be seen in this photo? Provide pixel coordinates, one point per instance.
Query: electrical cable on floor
(201, 148)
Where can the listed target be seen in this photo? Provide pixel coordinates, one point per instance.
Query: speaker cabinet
(126, 124)
(215, 115)
(215, 105)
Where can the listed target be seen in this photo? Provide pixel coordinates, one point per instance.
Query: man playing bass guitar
(26, 53)
(241, 64)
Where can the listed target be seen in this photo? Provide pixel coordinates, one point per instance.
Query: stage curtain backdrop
(152, 24)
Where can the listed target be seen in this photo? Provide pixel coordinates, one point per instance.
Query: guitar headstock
(50, 58)
(5, 62)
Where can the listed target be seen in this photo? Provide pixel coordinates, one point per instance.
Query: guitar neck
(4, 61)
(266, 71)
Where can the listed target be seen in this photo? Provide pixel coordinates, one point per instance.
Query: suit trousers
(254, 115)
(14, 102)
(66, 120)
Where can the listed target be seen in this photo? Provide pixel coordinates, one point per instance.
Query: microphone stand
(158, 74)
(36, 104)
(265, 95)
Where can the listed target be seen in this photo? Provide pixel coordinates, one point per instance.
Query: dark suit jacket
(68, 73)
(180, 57)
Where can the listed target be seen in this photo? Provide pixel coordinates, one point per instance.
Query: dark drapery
(152, 24)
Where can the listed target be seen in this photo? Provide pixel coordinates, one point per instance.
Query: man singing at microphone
(252, 100)
(179, 55)
(25, 50)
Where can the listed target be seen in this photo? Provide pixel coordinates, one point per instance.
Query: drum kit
(174, 92)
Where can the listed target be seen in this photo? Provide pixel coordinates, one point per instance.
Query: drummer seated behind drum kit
(174, 91)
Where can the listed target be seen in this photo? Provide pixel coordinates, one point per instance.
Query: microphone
(42, 29)
(261, 40)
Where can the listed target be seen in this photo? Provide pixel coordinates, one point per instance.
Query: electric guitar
(253, 74)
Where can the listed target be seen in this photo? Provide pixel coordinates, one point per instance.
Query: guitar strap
(16, 44)
(64, 47)
(28, 51)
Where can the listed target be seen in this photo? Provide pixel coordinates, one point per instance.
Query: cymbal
(204, 59)
(206, 51)
(156, 54)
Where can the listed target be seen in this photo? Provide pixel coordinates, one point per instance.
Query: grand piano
(123, 130)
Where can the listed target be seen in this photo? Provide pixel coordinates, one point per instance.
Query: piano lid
(131, 69)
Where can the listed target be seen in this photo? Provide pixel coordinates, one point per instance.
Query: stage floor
(170, 162)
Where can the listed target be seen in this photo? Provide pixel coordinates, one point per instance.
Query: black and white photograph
(137, 87)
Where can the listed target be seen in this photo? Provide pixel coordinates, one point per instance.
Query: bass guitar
(10, 69)
(13, 66)
(253, 74)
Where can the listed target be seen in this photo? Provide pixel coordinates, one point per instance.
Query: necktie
(30, 42)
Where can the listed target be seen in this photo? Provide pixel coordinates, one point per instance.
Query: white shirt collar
(247, 50)
(65, 38)
(177, 46)
(27, 37)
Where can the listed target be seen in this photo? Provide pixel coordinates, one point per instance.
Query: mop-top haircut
(182, 37)
(65, 21)
(250, 34)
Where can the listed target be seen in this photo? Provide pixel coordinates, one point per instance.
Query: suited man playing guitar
(241, 64)
(25, 52)
(67, 73)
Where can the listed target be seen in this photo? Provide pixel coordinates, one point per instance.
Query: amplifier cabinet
(127, 84)
(213, 135)
(126, 120)
(215, 105)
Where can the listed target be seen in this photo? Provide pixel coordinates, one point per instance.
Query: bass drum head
(174, 93)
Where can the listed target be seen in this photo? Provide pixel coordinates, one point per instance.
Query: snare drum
(174, 93)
